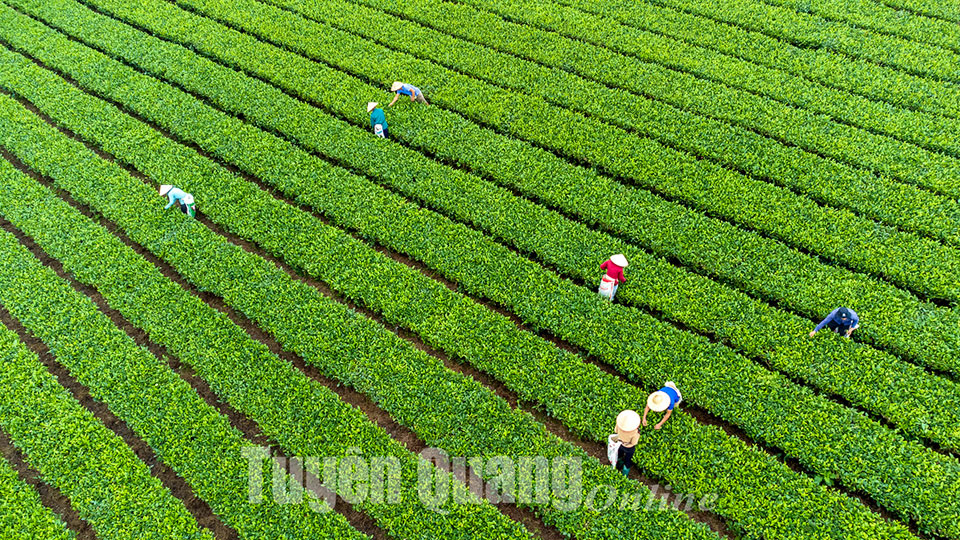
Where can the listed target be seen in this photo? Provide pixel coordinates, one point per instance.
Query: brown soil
(701, 416)
(523, 515)
(177, 486)
(50, 496)
(248, 427)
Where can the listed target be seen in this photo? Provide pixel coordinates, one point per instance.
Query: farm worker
(841, 320)
(628, 434)
(611, 281)
(407, 90)
(378, 120)
(664, 399)
(180, 197)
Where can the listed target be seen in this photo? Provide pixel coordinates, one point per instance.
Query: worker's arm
(852, 328)
(171, 200)
(824, 322)
(395, 98)
(644, 420)
(660, 425)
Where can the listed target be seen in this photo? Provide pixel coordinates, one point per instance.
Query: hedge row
(461, 332)
(807, 31)
(186, 433)
(822, 179)
(283, 401)
(870, 15)
(805, 127)
(919, 264)
(931, 8)
(900, 392)
(110, 488)
(898, 321)
(22, 515)
(417, 389)
(707, 47)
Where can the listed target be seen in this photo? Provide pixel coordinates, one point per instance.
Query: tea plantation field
(401, 338)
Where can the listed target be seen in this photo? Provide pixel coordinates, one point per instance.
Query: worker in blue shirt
(177, 196)
(664, 399)
(403, 89)
(841, 320)
(378, 120)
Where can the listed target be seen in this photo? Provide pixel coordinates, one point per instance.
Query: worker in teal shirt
(176, 195)
(378, 120)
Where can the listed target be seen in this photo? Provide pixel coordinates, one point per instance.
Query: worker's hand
(658, 426)
(848, 334)
(813, 333)
(644, 421)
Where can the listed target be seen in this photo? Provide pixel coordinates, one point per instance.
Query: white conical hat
(658, 401)
(371, 106)
(628, 420)
(165, 188)
(396, 86)
(619, 260)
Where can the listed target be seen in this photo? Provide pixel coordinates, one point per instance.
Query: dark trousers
(838, 328)
(625, 457)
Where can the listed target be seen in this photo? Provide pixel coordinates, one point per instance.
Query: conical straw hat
(165, 188)
(371, 106)
(628, 420)
(619, 260)
(396, 86)
(658, 401)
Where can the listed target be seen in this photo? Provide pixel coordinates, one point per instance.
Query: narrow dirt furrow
(50, 496)
(377, 415)
(248, 427)
(545, 334)
(572, 160)
(700, 415)
(689, 149)
(171, 480)
(248, 247)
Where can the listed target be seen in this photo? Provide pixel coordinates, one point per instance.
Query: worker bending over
(177, 196)
(611, 281)
(403, 89)
(378, 120)
(664, 399)
(841, 320)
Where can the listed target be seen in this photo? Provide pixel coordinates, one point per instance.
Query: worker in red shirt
(611, 281)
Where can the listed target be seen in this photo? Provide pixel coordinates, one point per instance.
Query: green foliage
(809, 31)
(918, 264)
(879, 18)
(415, 388)
(22, 515)
(107, 484)
(931, 8)
(465, 329)
(186, 433)
(579, 395)
(749, 150)
(709, 48)
(763, 267)
(284, 402)
(922, 404)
